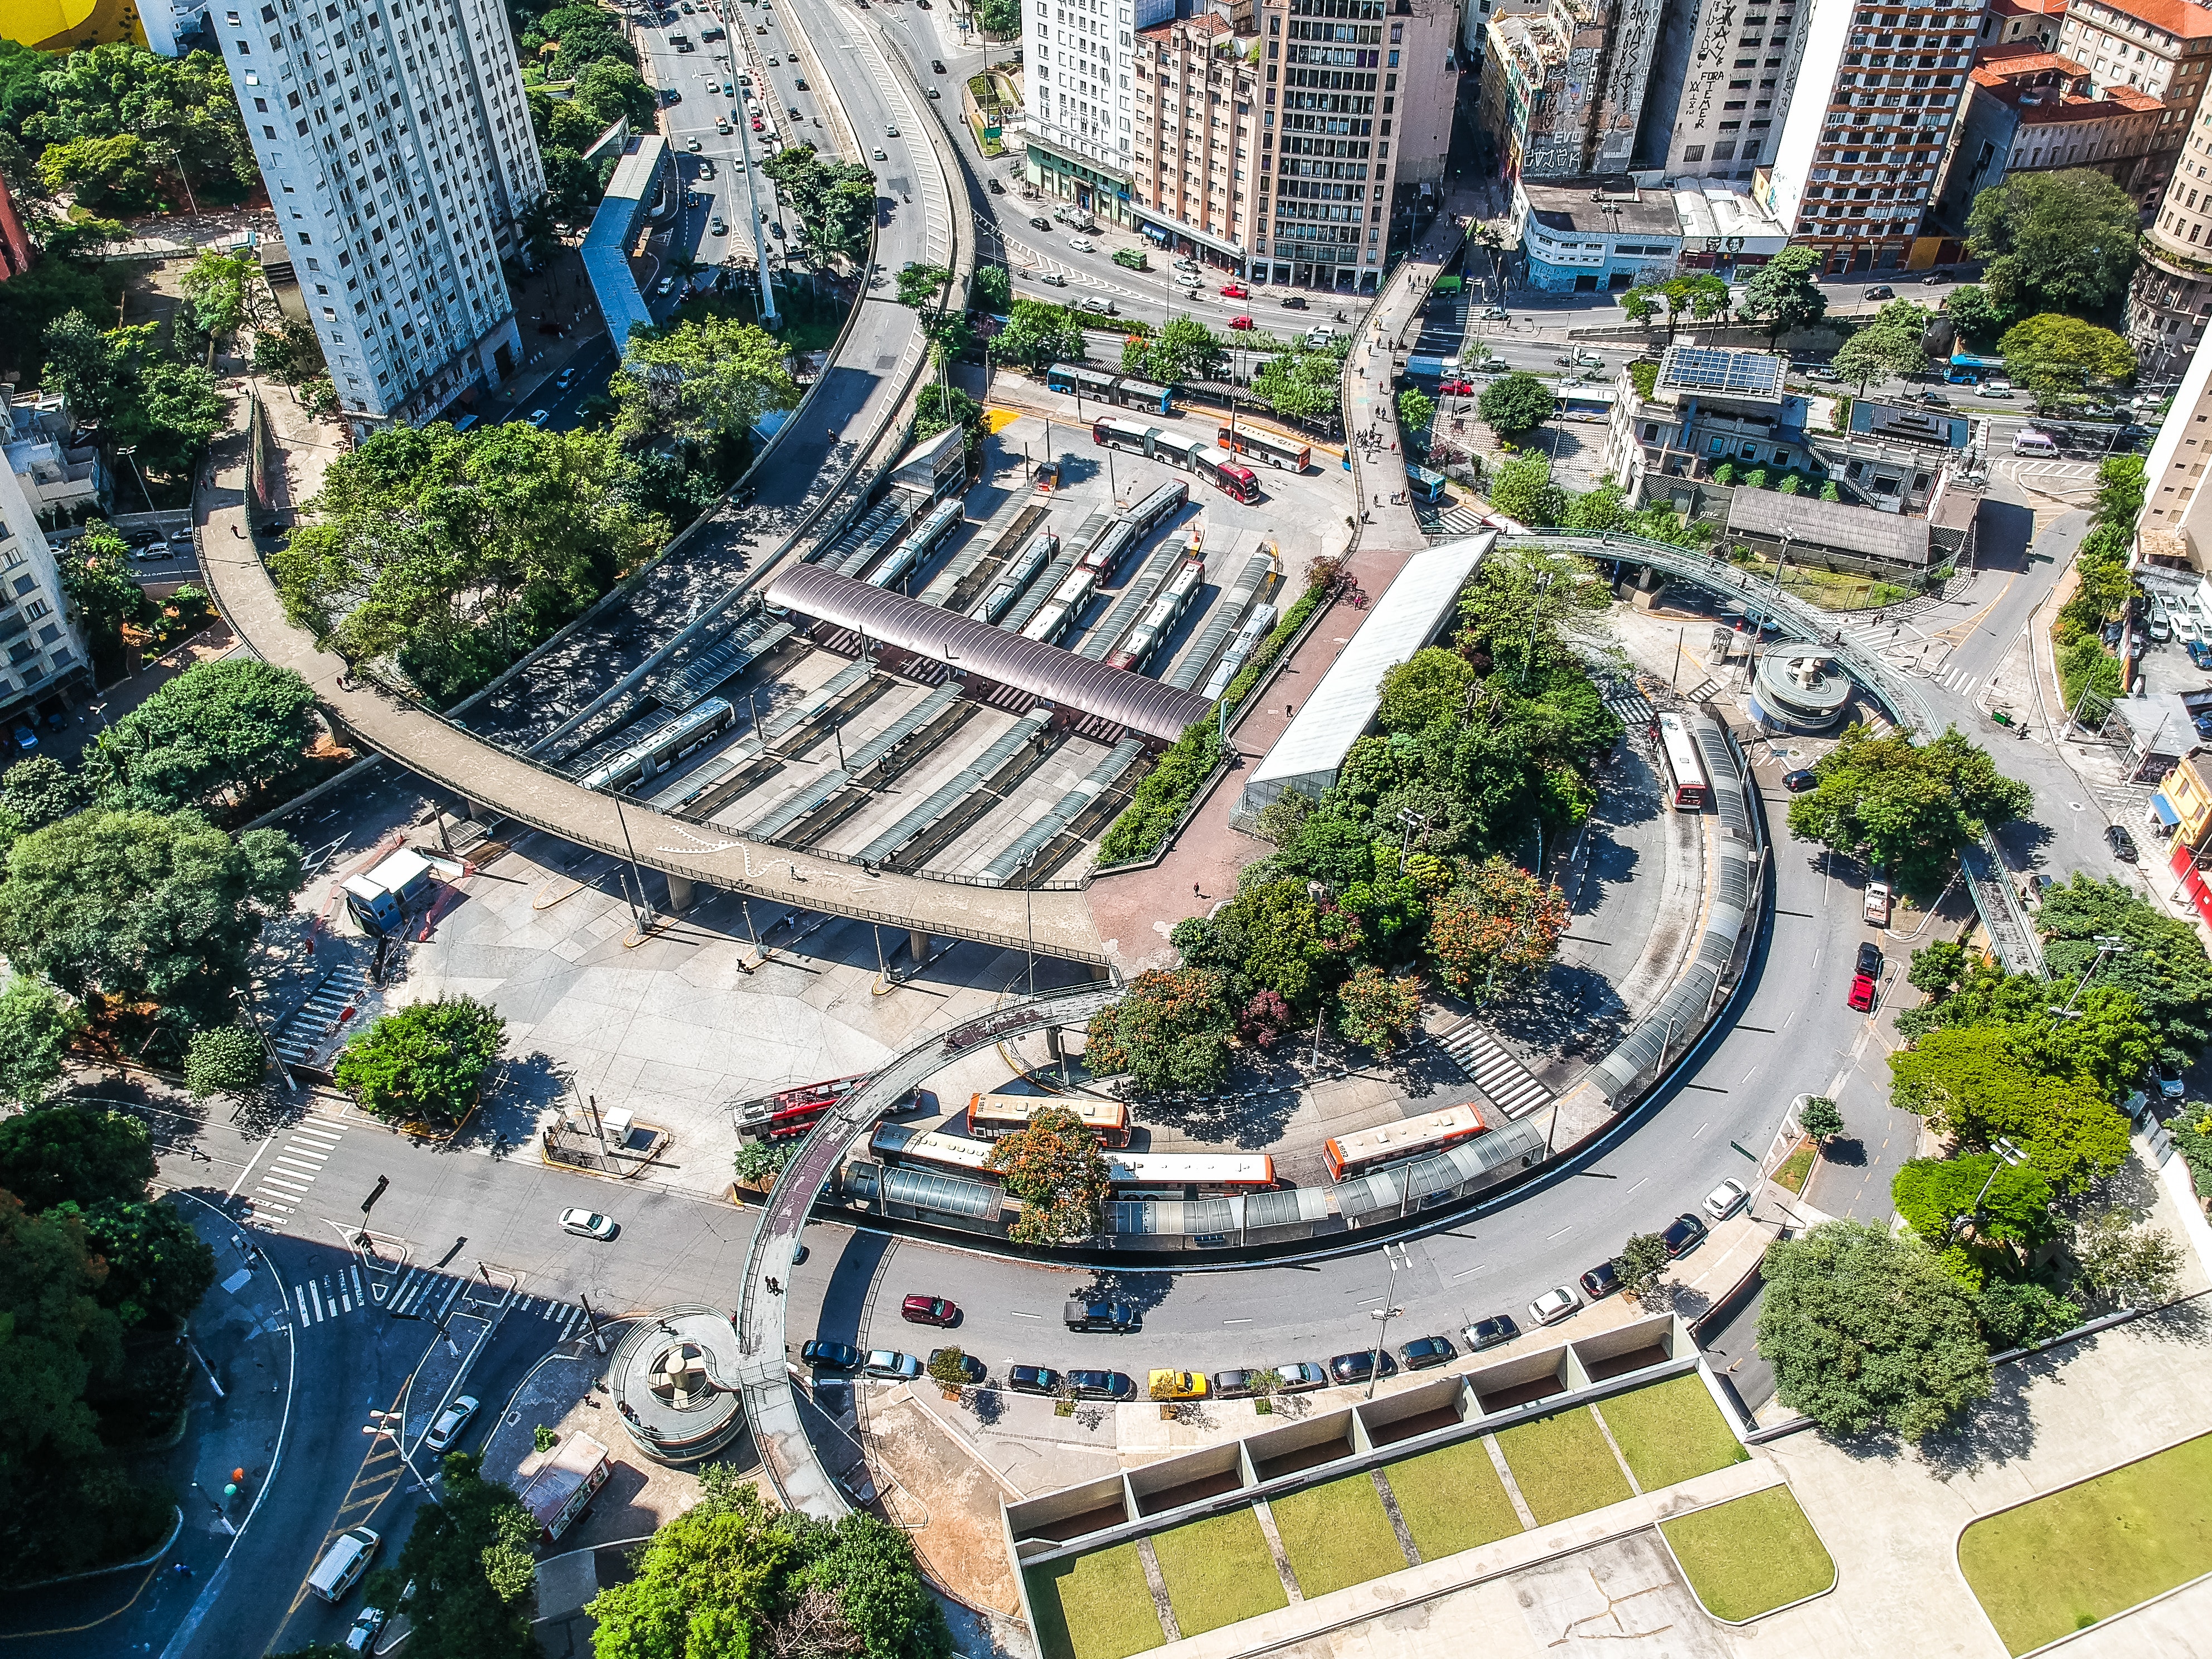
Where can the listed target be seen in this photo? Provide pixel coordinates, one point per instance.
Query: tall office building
(2175, 527)
(1287, 138)
(1080, 119)
(399, 156)
(1863, 144)
(43, 662)
(1722, 79)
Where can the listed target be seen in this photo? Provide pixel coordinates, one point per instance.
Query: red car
(1241, 323)
(928, 1311)
(1454, 388)
(1235, 291)
(1861, 996)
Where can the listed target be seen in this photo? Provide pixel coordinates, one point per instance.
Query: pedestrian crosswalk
(290, 1171)
(334, 999)
(1454, 521)
(1486, 1065)
(330, 1296)
(1956, 680)
(424, 1293)
(1629, 707)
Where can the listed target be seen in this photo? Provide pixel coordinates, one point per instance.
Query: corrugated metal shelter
(1337, 711)
(973, 648)
(637, 182)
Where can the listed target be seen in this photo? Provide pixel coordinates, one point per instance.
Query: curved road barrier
(771, 1406)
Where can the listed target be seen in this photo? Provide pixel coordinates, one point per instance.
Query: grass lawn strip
(1095, 1606)
(1337, 1534)
(1218, 1572)
(1563, 1466)
(2062, 1562)
(1452, 1500)
(1670, 1432)
(1751, 1555)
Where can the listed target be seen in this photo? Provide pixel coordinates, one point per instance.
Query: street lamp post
(2107, 945)
(129, 453)
(1396, 1256)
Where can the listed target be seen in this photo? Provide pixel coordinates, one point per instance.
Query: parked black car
(1424, 1352)
(1489, 1332)
(1032, 1379)
(1099, 1317)
(1358, 1367)
(1102, 1385)
(1799, 781)
(830, 1356)
(1869, 958)
(2121, 843)
(1601, 1281)
(1683, 1235)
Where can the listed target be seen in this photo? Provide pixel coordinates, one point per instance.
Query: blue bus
(1425, 484)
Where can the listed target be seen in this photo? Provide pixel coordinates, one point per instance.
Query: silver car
(891, 1364)
(450, 1421)
(1554, 1305)
(1298, 1374)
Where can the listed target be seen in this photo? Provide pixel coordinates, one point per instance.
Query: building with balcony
(44, 665)
(1563, 82)
(2175, 527)
(1079, 102)
(59, 480)
(1720, 80)
(399, 160)
(1863, 143)
(2032, 110)
(2171, 298)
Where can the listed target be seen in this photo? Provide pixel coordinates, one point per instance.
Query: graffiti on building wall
(1634, 39)
(1709, 62)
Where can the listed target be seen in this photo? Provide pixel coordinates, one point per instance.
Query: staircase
(1486, 1065)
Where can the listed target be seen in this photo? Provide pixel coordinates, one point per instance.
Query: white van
(344, 1562)
(2033, 443)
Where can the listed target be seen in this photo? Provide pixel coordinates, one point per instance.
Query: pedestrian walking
(1195, 893)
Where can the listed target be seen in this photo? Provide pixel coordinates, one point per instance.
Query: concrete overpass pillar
(680, 894)
(917, 945)
(1053, 1043)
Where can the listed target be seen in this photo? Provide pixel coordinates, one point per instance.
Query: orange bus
(990, 1116)
(1352, 1155)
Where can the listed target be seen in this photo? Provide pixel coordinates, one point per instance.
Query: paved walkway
(1135, 910)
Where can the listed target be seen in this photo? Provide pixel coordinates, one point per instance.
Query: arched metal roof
(977, 648)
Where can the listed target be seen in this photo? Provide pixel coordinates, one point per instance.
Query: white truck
(1877, 904)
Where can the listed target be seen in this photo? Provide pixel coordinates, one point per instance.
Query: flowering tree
(1377, 1012)
(1496, 930)
(1055, 1167)
(1170, 1030)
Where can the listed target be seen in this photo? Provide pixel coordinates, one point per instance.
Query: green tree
(1903, 804)
(1306, 386)
(1432, 687)
(1055, 1167)
(1784, 292)
(2163, 969)
(1603, 508)
(40, 790)
(174, 409)
(1169, 1030)
(224, 1060)
(71, 1153)
(1642, 1264)
(158, 1268)
(124, 908)
(1867, 1333)
(699, 381)
(944, 1368)
(1878, 351)
(835, 200)
(1496, 931)
(1039, 333)
(107, 175)
(1376, 1011)
(1512, 404)
(2123, 1264)
(1941, 1197)
(1522, 489)
(991, 289)
(36, 1030)
(1416, 409)
(181, 111)
(612, 90)
(758, 1163)
(2057, 357)
(215, 291)
(1821, 1117)
(96, 575)
(2063, 242)
(582, 37)
(1184, 350)
(289, 352)
(426, 1062)
(941, 406)
(1000, 19)
(220, 730)
(469, 1555)
(2018, 1314)
(458, 551)
(1978, 318)
(1972, 1084)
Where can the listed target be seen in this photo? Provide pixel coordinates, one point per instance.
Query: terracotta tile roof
(2176, 17)
(2025, 57)
(2028, 8)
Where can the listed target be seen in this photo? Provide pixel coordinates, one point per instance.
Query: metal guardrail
(1998, 904)
(772, 1408)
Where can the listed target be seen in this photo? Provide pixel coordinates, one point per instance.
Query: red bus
(1225, 474)
(1686, 789)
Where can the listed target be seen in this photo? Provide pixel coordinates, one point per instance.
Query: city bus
(1290, 453)
(1111, 434)
(1351, 1155)
(1223, 473)
(1082, 381)
(1686, 789)
(990, 1116)
(1425, 485)
(897, 1143)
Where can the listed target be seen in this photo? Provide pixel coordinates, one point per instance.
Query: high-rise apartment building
(43, 662)
(1080, 119)
(1287, 137)
(1562, 84)
(1863, 144)
(399, 159)
(2176, 525)
(1721, 78)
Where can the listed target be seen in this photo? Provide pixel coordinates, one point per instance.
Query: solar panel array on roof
(1715, 369)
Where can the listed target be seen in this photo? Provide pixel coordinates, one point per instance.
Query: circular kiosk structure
(1799, 689)
(674, 1379)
